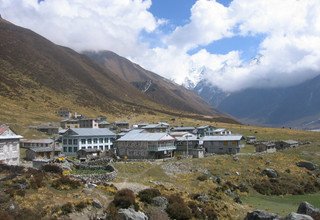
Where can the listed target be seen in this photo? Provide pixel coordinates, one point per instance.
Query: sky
(232, 44)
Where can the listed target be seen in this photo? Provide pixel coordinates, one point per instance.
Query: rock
(204, 198)
(131, 214)
(271, 173)
(96, 204)
(261, 215)
(296, 216)
(235, 158)
(237, 200)
(308, 209)
(160, 201)
(308, 165)
(91, 185)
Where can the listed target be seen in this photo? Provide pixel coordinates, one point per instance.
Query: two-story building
(184, 129)
(89, 123)
(31, 143)
(9, 146)
(144, 145)
(87, 138)
(156, 128)
(224, 144)
(206, 130)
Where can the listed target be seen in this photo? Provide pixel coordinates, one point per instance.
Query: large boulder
(271, 173)
(308, 209)
(131, 214)
(160, 201)
(308, 165)
(261, 215)
(296, 216)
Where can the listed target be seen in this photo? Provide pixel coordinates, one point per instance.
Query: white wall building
(9, 146)
(75, 139)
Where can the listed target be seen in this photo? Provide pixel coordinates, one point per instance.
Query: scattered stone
(203, 198)
(230, 193)
(227, 174)
(238, 174)
(296, 216)
(308, 165)
(96, 204)
(91, 185)
(237, 200)
(261, 215)
(160, 201)
(308, 209)
(268, 162)
(131, 214)
(235, 158)
(271, 173)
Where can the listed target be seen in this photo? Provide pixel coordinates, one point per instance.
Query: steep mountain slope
(38, 77)
(296, 106)
(156, 87)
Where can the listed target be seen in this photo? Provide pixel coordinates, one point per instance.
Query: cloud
(288, 54)
(84, 25)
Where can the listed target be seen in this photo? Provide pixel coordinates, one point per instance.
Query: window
(89, 141)
(100, 140)
(95, 147)
(1, 149)
(234, 143)
(101, 147)
(75, 149)
(106, 140)
(95, 140)
(225, 143)
(70, 141)
(75, 141)
(83, 147)
(70, 149)
(83, 141)
(65, 149)
(89, 147)
(64, 141)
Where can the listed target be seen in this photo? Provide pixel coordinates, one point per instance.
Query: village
(83, 139)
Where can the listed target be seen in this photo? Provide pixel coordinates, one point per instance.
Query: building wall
(70, 144)
(29, 145)
(222, 147)
(9, 151)
(133, 149)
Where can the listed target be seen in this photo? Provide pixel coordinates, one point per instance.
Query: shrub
(147, 195)
(37, 180)
(65, 183)
(81, 205)
(196, 210)
(51, 168)
(5, 215)
(202, 177)
(66, 208)
(124, 199)
(210, 213)
(178, 211)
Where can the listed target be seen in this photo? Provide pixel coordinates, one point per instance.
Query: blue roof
(146, 137)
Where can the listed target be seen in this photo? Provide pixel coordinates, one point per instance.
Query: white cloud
(289, 53)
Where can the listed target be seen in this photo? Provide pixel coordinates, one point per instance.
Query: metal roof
(223, 138)
(146, 137)
(205, 126)
(92, 132)
(37, 141)
(291, 142)
(150, 126)
(183, 128)
(92, 150)
(45, 149)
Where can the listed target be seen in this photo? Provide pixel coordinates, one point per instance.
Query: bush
(37, 180)
(124, 199)
(210, 213)
(80, 206)
(66, 208)
(178, 211)
(202, 177)
(5, 215)
(65, 183)
(196, 210)
(147, 195)
(51, 168)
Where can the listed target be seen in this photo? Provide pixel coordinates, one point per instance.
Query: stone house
(251, 139)
(205, 130)
(43, 152)
(185, 143)
(48, 129)
(184, 129)
(86, 154)
(280, 145)
(9, 146)
(135, 145)
(30, 143)
(221, 131)
(156, 128)
(88, 123)
(121, 124)
(268, 147)
(87, 138)
(64, 113)
(70, 123)
(224, 144)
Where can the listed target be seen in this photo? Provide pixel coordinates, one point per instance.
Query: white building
(9, 146)
(87, 138)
